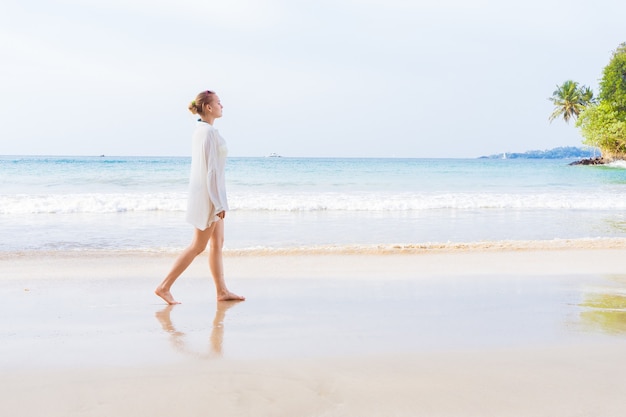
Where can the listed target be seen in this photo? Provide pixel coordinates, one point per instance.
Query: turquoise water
(77, 203)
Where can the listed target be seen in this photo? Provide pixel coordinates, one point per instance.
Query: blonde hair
(202, 99)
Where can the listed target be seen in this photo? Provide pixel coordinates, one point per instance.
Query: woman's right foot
(166, 296)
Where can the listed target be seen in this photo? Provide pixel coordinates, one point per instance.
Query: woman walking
(207, 203)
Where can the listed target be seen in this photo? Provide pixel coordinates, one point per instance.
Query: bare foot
(166, 295)
(229, 296)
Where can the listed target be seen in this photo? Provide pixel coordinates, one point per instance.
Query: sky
(324, 78)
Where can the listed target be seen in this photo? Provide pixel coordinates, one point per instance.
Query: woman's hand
(221, 215)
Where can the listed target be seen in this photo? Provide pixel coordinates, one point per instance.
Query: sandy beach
(506, 329)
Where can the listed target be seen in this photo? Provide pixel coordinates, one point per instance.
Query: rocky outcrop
(598, 160)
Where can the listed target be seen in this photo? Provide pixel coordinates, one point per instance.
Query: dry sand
(519, 330)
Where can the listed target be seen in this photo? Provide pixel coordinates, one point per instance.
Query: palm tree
(586, 96)
(569, 100)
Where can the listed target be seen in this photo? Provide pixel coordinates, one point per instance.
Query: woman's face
(215, 107)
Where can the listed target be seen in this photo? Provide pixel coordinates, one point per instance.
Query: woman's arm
(215, 181)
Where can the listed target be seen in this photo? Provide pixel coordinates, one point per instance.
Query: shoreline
(554, 257)
(365, 249)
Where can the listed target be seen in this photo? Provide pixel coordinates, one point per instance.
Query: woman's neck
(207, 119)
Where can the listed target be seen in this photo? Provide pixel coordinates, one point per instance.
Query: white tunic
(207, 182)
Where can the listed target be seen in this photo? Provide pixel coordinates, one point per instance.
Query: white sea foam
(307, 202)
(90, 203)
(618, 164)
(379, 201)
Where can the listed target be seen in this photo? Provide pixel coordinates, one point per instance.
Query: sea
(70, 203)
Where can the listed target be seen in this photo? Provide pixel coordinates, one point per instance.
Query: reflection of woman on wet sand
(217, 330)
(207, 203)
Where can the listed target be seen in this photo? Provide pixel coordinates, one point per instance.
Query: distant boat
(504, 155)
(273, 155)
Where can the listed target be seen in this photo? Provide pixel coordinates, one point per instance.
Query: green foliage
(613, 83)
(569, 100)
(604, 126)
(602, 122)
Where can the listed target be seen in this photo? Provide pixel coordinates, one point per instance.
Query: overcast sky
(337, 78)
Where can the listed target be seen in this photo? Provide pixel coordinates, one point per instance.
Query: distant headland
(563, 152)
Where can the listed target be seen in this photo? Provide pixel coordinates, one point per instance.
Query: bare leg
(217, 266)
(200, 240)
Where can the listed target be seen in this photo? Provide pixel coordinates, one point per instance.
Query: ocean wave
(308, 202)
(617, 164)
(90, 203)
(418, 201)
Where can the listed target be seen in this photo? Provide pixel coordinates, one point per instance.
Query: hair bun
(202, 99)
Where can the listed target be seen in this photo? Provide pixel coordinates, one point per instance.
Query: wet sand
(515, 331)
